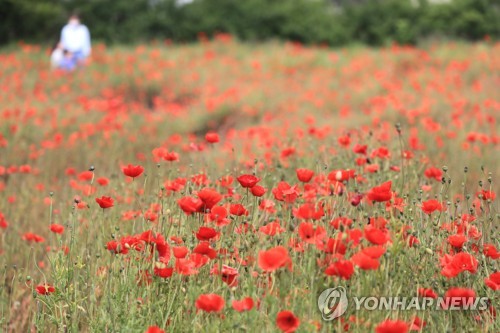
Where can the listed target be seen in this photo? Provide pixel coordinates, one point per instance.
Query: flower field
(221, 187)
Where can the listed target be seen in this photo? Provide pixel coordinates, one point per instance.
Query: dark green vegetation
(340, 22)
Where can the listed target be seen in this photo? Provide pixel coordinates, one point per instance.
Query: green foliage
(372, 22)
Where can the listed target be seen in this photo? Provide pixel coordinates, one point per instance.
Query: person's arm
(64, 38)
(87, 48)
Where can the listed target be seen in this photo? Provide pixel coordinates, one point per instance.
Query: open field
(376, 169)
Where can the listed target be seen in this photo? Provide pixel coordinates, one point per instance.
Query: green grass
(261, 99)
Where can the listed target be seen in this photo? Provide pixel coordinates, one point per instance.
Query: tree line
(331, 22)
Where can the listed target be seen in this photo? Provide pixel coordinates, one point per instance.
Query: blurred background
(329, 22)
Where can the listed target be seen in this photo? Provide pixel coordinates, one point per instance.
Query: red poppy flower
(374, 252)
(360, 149)
(229, 275)
(272, 229)
(161, 270)
(356, 199)
(162, 248)
(180, 251)
(486, 195)
(45, 289)
(86, 176)
(310, 234)
(103, 181)
(493, 281)
(304, 175)
(287, 321)
(104, 202)
(154, 329)
(190, 205)
(344, 141)
(3, 222)
(132, 171)
(258, 190)
(245, 304)
(273, 259)
(212, 137)
(205, 233)
(171, 156)
(364, 261)
(457, 240)
(285, 192)
(201, 259)
(248, 181)
(430, 206)
(377, 236)
(238, 210)
(332, 245)
(57, 228)
(341, 268)
(337, 222)
(381, 193)
(433, 172)
(205, 249)
(32, 237)
(219, 215)
(381, 152)
(341, 175)
(308, 211)
(454, 265)
(491, 251)
(458, 297)
(425, 292)
(210, 303)
(392, 326)
(209, 197)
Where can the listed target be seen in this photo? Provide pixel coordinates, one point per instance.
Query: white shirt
(56, 57)
(76, 38)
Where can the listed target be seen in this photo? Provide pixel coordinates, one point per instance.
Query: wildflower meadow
(223, 186)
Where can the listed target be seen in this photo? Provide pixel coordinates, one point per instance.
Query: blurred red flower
(304, 175)
(430, 206)
(273, 259)
(209, 197)
(45, 289)
(132, 171)
(341, 268)
(57, 228)
(285, 192)
(392, 326)
(212, 137)
(493, 281)
(190, 205)
(287, 321)
(457, 240)
(248, 181)
(245, 304)
(210, 303)
(486, 195)
(381, 193)
(154, 329)
(105, 202)
(460, 262)
(205, 233)
(457, 297)
(433, 172)
(258, 190)
(425, 292)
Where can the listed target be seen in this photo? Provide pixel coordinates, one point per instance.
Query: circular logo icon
(332, 303)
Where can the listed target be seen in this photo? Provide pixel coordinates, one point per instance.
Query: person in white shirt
(75, 38)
